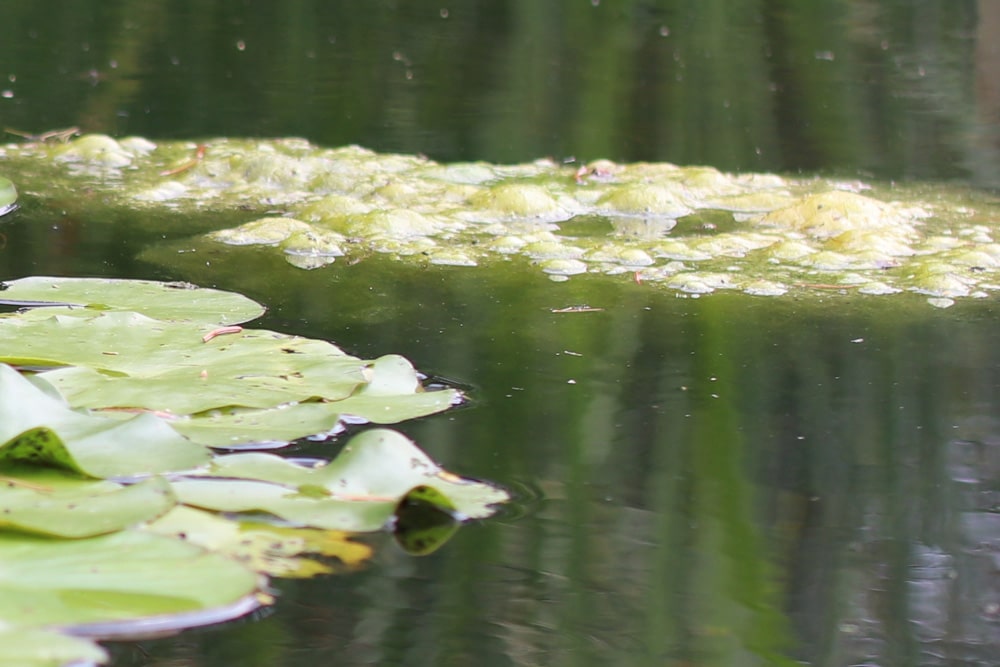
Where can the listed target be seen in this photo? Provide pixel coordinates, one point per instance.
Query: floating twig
(221, 331)
(138, 411)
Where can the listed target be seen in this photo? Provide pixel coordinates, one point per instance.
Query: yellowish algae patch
(694, 230)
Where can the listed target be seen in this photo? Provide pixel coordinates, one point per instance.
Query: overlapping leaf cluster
(117, 515)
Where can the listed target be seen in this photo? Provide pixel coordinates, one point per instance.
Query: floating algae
(694, 230)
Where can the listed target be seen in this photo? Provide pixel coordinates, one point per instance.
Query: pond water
(715, 481)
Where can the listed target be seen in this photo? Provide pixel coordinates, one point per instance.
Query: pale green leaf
(278, 425)
(360, 514)
(116, 584)
(129, 360)
(377, 466)
(34, 427)
(162, 300)
(49, 503)
(20, 647)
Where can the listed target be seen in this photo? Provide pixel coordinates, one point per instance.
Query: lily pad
(219, 387)
(268, 427)
(362, 514)
(129, 360)
(8, 196)
(359, 490)
(87, 556)
(114, 585)
(48, 503)
(279, 551)
(37, 428)
(22, 647)
(161, 300)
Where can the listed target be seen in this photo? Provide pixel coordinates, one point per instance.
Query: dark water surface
(718, 481)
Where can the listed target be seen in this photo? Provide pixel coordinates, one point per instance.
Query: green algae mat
(126, 409)
(692, 230)
(134, 415)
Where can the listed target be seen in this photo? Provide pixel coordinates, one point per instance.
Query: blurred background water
(721, 481)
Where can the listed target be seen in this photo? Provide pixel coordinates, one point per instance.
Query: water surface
(715, 481)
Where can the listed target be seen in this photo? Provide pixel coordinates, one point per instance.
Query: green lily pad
(48, 503)
(235, 428)
(36, 428)
(115, 585)
(358, 491)
(299, 508)
(239, 388)
(86, 557)
(129, 360)
(8, 196)
(161, 300)
(22, 647)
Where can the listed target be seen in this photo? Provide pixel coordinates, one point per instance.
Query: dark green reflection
(723, 480)
(768, 85)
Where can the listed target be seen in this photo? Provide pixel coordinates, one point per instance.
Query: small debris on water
(576, 309)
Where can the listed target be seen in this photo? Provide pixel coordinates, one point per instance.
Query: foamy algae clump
(691, 230)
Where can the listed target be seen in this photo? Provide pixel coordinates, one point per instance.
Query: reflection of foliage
(618, 558)
(770, 85)
(113, 525)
